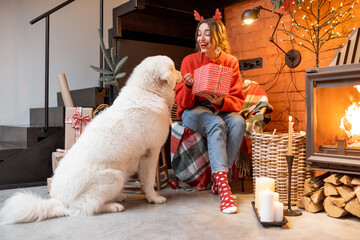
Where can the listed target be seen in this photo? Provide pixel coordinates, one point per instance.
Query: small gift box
(56, 157)
(212, 78)
(76, 119)
(49, 181)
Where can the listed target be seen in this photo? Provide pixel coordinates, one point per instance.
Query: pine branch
(106, 55)
(120, 64)
(120, 75)
(112, 76)
(101, 70)
(113, 59)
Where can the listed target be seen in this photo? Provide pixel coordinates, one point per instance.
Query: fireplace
(333, 118)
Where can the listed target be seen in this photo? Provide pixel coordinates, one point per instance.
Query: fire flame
(351, 122)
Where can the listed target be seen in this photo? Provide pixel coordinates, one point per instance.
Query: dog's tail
(26, 207)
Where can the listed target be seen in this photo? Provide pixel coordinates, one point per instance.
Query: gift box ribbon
(61, 150)
(77, 121)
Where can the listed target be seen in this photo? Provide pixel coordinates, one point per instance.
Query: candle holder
(289, 211)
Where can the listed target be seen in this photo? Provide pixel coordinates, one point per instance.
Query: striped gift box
(212, 78)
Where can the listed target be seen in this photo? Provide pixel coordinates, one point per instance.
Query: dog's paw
(111, 208)
(116, 207)
(156, 199)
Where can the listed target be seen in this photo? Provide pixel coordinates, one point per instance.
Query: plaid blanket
(189, 154)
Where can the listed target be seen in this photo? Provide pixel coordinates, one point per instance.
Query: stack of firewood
(337, 194)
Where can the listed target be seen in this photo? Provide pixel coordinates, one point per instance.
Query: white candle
(266, 206)
(276, 196)
(290, 136)
(261, 184)
(278, 211)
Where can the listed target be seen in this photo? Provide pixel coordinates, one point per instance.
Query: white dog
(117, 143)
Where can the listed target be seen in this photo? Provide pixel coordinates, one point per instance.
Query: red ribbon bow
(77, 121)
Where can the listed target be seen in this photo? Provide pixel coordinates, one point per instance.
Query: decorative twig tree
(314, 23)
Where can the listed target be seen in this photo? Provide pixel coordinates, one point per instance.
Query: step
(7, 150)
(24, 135)
(31, 166)
(56, 116)
(87, 97)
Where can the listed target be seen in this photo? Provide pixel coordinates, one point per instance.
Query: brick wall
(286, 91)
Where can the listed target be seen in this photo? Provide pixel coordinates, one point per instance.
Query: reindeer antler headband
(199, 18)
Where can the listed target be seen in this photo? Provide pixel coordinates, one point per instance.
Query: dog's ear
(167, 75)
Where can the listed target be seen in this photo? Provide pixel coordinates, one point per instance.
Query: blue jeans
(224, 132)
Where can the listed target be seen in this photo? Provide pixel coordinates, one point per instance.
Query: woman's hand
(188, 79)
(214, 99)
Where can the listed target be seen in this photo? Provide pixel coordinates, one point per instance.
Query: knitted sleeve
(184, 98)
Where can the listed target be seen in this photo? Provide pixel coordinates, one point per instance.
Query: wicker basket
(268, 154)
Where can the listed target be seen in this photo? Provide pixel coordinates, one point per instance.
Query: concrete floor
(186, 215)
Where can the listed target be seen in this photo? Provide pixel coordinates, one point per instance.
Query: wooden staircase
(25, 151)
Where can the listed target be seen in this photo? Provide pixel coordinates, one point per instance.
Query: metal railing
(47, 32)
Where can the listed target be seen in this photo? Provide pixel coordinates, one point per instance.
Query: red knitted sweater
(232, 102)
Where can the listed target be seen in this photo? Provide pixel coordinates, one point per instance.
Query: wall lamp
(293, 56)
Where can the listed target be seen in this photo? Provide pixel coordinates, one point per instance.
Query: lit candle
(266, 213)
(290, 136)
(261, 184)
(278, 211)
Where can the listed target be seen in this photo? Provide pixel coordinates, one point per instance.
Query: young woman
(212, 116)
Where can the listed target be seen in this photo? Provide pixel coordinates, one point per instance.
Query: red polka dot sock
(214, 187)
(227, 204)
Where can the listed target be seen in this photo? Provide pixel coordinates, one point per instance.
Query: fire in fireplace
(333, 118)
(350, 122)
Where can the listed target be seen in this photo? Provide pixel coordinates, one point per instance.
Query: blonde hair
(218, 35)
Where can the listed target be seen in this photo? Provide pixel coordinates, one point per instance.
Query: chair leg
(242, 185)
(162, 170)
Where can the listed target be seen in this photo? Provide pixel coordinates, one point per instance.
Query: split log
(318, 196)
(338, 201)
(357, 192)
(300, 203)
(333, 179)
(330, 189)
(312, 207)
(346, 180)
(353, 207)
(346, 192)
(314, 184)
(332, 210)
(355, 181)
